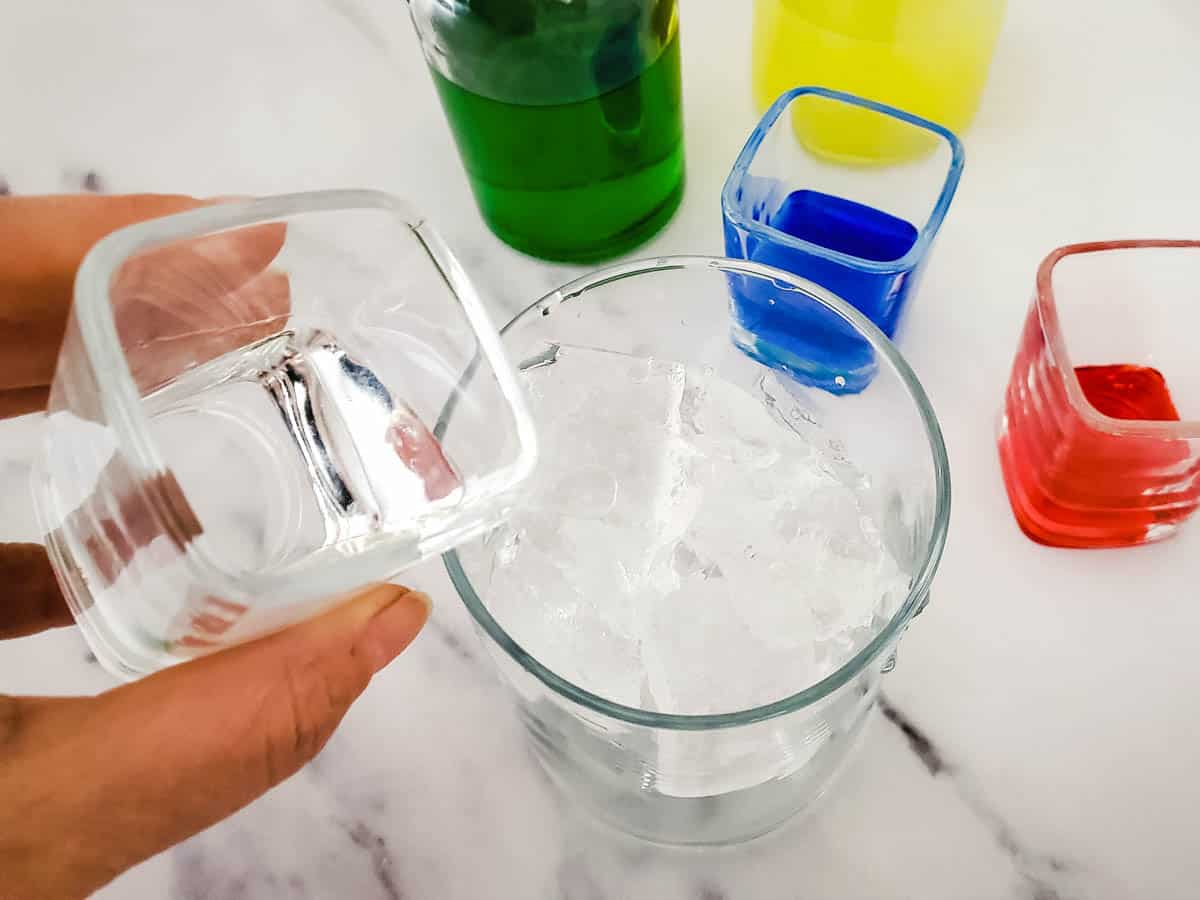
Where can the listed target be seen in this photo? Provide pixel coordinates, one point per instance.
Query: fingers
(234, 302)
(172, 754)
(163, 338)
(31, 598)
(42, 242)
(22, 401)
(210, 285)
(113, 537)
(197, 285)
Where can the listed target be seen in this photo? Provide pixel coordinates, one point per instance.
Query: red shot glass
(1099, 438)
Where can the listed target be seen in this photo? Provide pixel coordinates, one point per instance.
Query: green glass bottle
(567, 115)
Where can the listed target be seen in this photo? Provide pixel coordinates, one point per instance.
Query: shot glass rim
(120, 399)
(1056, 343)
(929, 229)
(913, 604)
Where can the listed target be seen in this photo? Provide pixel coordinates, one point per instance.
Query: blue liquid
(794, 332)
(843, 225)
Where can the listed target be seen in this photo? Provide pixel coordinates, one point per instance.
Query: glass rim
(120, 399)
(918, 593)
(933, 221)
(1056, 341)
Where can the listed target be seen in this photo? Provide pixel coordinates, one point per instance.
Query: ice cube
(688, 547)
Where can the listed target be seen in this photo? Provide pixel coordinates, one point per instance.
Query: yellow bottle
(929, 57)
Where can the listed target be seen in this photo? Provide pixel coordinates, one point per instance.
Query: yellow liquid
(928, 57)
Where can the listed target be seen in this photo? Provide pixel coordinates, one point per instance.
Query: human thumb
(133, 771)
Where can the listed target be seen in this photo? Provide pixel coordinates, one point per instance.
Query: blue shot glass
(862, 231)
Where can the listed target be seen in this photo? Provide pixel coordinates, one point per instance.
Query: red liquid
(1127, 392)
(1075, 482)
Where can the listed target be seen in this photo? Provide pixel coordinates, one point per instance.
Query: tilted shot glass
(242, 424)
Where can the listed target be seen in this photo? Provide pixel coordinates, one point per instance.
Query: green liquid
(576, 181)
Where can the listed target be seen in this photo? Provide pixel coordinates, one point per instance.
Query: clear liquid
(295, 445)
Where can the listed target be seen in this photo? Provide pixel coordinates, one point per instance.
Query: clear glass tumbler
(568, 116)
(1100, 435)
(863, 233)
(930, 57)
(242, 425)
(713, 562)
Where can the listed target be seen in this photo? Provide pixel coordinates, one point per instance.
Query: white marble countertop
(1042, 730)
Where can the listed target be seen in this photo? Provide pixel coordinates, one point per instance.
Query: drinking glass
(863, 233)
(1100, 434)
(928, 57)
(568, 116)
(737, 769)
(241, 424)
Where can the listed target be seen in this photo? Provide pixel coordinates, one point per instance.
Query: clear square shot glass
(1100, 434)
(861, 231)
(244, 422)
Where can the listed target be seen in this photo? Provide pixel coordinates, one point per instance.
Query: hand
(90, 786)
